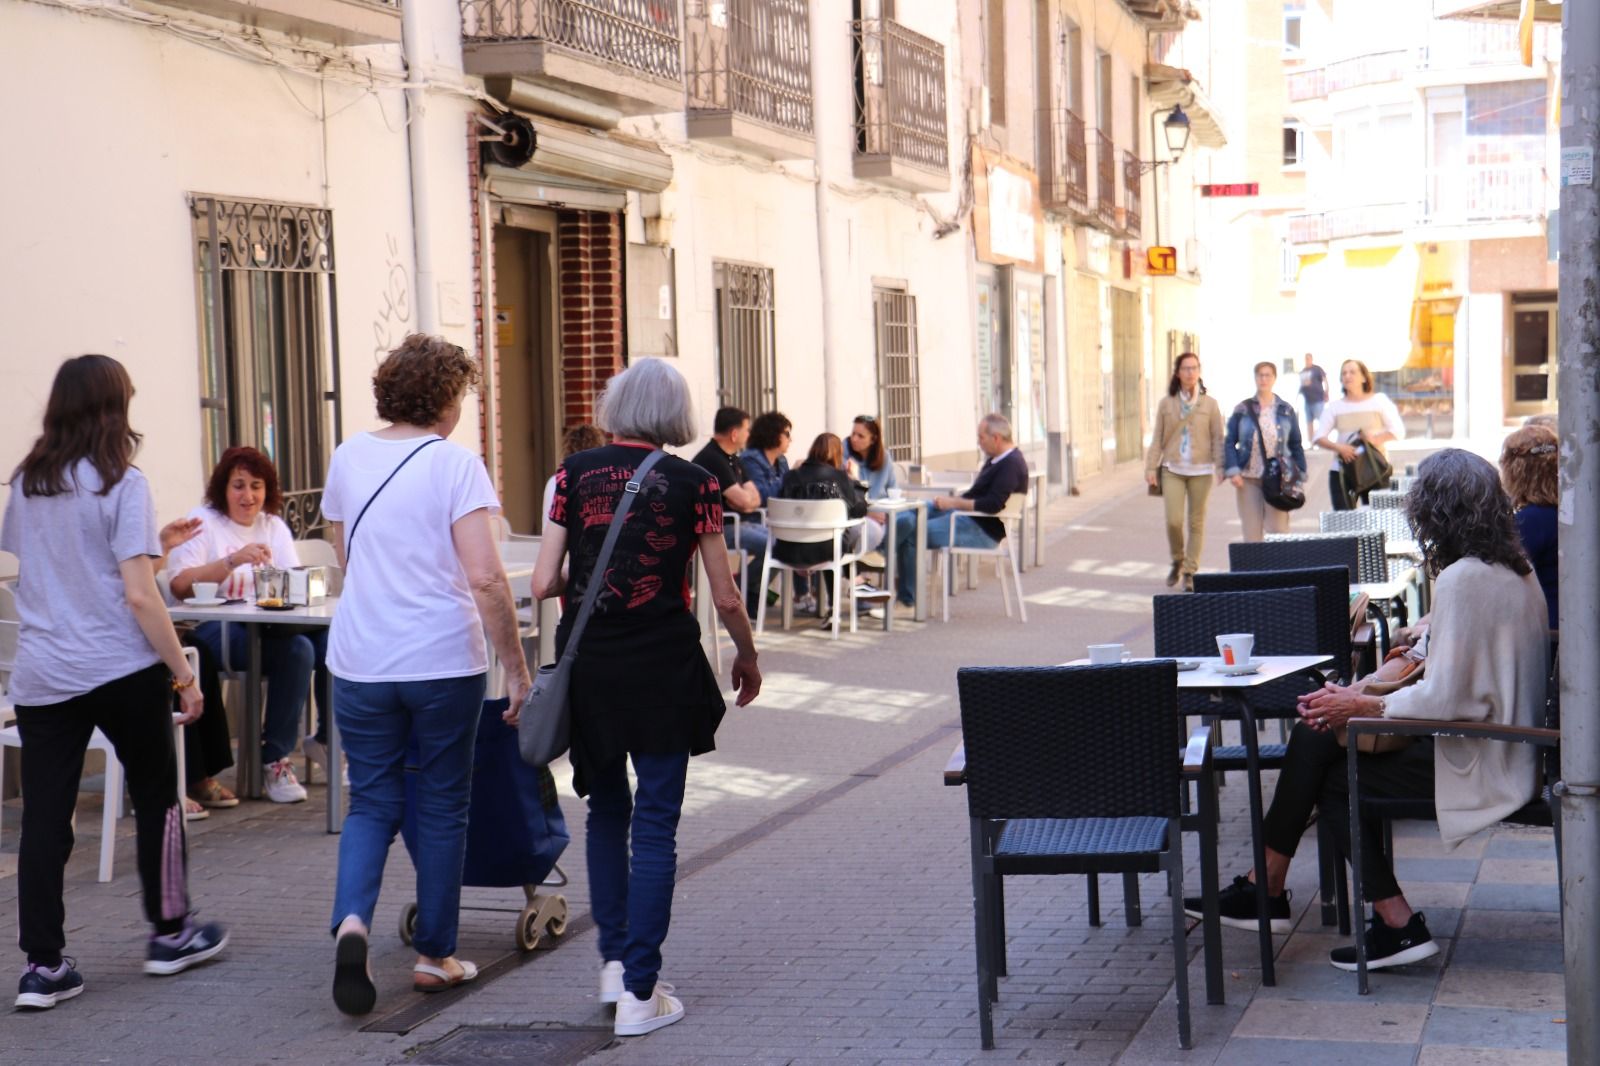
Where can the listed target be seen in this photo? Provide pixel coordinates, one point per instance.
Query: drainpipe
(823, 29)
(412, 36)
(1579, 516)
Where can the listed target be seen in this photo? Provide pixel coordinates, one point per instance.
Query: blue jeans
(632, 904)
(1313, 412)
(375, 721)
(906, 579)
(287, 662)
(753, 540)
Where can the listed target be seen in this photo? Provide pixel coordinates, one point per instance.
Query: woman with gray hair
(1487, 661)
(641, 689)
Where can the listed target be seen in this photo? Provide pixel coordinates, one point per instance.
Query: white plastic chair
(10, 737)
(316, 552)
(1013, 511)
(810, 522)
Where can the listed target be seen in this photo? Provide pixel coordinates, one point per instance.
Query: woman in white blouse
(1362, 409)
(240, 530)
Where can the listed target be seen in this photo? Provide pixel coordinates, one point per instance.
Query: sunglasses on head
(866, 420)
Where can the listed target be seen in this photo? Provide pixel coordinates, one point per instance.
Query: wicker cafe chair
(1296, 555)
(1070, 770)
(1371, 562)
(1540, 811)
(1386, 499)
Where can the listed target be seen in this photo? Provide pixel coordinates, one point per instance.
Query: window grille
(747, 354)
(894, 321)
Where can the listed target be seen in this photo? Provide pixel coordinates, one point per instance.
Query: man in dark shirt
(1314, 391)
(729, 431)
(1004, 473)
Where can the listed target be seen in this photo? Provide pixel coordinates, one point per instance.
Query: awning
(581, 167)
(1502, 10)
(1174, 87)
(1357, 304)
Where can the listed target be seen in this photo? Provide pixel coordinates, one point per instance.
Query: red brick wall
(589, 260)
(482, 287)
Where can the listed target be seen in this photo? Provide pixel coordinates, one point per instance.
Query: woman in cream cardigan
(1488, 655)
(1185, 459)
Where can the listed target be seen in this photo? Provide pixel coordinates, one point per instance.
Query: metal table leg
(921, 613)
(1038, 523)
(1258, 847)
(891, 537)
(335, 769)
(250, 740)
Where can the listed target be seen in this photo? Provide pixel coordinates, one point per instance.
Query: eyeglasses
(866, 420)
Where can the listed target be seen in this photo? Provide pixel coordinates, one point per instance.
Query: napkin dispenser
(308, 585)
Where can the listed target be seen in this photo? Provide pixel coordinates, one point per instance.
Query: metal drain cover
(471, 1045)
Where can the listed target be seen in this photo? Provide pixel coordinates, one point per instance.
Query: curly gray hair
(1459, 509)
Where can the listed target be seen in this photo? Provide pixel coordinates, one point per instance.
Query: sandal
(442, 980)
(210, 793)
(193, 812)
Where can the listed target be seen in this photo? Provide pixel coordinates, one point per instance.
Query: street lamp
(1176, 130)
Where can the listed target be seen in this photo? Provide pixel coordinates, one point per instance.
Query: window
(1291, 31)
(1288, 265)
(1294, 144)
(747, 356)
(995, 57)
(894, 327)
(1102, 92)
(268, 361)
(1072, 68)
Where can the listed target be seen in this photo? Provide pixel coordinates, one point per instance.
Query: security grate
(747, 351)
(894, 319)
(473, 1045)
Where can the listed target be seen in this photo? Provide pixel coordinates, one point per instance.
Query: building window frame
(746, 335)
(269, 342)
(1294, 25)
(898, 358)
(1294, 144)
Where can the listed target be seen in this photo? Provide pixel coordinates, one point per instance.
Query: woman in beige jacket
(1185, 459)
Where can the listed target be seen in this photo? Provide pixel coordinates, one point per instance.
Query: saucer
(1251, 667)
(1188, 664)
(215, 601)
(278, 607)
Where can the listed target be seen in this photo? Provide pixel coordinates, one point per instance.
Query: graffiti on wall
(393, 321)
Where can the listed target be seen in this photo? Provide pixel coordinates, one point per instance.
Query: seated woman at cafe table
(1487, 661)
(240, 530)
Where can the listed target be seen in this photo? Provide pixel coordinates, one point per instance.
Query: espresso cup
(205, 590)
(895, 492)
(1105, 654)
(1235, 648)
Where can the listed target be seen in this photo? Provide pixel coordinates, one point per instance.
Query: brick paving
(826, 912)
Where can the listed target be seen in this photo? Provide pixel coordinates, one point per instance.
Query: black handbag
(1369, 469)
(544, 728)
(1280, 481)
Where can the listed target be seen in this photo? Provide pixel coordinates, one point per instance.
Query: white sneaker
(282, 785)
(611, 982)
(636, 1017)
(317, 752)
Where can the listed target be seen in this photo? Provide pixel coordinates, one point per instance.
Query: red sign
(1238, 188)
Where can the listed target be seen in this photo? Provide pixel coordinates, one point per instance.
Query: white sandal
(446, 979)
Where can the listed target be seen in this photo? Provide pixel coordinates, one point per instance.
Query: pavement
(823, 911)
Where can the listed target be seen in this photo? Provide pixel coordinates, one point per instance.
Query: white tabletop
(889, 505)
(1401, 547)
(1209, 675)
(319, 615)
(1382, 591)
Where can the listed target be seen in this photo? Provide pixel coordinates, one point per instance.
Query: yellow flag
(1525, 32)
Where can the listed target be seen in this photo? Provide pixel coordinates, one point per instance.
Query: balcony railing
(751, 58)
(640, 35)
(1066, 161)
(1308, 84)
(1454, 44)
(1105, 180)
(1371, 69)
(1486, 192)
(1360, 220)
(900, 100)
(1132, 215)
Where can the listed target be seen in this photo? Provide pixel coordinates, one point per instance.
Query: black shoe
(200, 942)
(1174, 574)
(1237, 906)
(1388, 947)
(353, 990)
(39, 992)
(1188, 582)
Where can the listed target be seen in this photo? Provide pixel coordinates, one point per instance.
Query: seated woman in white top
(1361, 409)
(240, 529)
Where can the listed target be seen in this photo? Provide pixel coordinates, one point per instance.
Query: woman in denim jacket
(1243, 461)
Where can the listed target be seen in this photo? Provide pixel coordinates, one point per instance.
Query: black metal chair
(1540, 811)
(1070, 770)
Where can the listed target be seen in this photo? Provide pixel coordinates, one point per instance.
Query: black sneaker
(200, 942)
(1388, 947)
(1237, 906)
(1173, 574)
(38, 991)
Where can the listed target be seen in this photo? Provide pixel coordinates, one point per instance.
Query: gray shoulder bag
(544, 731)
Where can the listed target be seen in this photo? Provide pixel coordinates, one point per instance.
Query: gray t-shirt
(77, 632)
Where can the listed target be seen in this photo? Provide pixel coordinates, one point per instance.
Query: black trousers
(207, 747)
(1314, 775)
(135, 714)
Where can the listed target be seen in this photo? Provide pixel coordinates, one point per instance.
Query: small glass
(272, 587)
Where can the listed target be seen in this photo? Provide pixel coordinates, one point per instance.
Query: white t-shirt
(407, 613)
(1369, 413)
(220, 537)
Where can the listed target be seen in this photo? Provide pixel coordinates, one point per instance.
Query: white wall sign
(1577, 165)
(1010, 215)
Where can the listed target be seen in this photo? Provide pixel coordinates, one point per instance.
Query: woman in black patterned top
(642, 691)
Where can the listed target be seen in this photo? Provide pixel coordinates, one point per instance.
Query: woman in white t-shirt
(1361, 409)
(239, 530)
(413, 525)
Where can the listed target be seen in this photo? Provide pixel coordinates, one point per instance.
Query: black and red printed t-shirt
(649, 573)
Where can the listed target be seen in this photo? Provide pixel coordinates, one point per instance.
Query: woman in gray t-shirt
(95, 649)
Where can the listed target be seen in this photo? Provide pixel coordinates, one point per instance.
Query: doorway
(524, 346)
(1531, 374)
(1126, 349)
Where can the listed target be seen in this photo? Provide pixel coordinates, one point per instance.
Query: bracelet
(179, 686)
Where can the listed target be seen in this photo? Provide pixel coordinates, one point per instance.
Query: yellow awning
(1357, 304)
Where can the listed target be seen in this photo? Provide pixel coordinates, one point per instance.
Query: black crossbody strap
(597, 576)
(350, 541)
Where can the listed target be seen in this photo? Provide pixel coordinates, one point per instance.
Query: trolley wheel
(408, 923)
(529, 929)
(543, 915)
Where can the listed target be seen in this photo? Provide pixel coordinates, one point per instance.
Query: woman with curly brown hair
(412, 524)
(1528, 469)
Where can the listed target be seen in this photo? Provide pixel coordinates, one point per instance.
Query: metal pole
(1155, 177)
(1579, 517)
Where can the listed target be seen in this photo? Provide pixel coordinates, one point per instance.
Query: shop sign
(1161, 260)
(1008, 218)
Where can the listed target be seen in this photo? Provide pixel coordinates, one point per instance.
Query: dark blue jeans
(375, 721)
(632, 901)
(906, 578)
(288, 660)
(753, 539)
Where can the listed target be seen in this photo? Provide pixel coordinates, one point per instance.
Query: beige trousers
(1256, 515)
(1180, 494)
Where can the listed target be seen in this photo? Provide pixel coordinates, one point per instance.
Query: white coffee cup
(205, 590)
(895, 492)
(1235, 648)
(1105, 654)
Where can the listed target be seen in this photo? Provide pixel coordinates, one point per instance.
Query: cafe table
(253, 618)
(891, 509)
(1230, 699)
